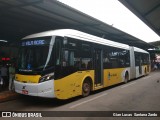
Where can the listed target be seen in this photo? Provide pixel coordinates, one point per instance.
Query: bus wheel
(86, 88)
(126, 77)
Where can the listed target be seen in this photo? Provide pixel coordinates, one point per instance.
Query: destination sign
(33, 42)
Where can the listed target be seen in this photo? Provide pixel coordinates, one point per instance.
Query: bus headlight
(46, 77)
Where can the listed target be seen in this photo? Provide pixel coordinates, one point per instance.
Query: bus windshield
(35, 56)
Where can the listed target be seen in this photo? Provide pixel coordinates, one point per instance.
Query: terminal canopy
(147, 10)
(19, 18)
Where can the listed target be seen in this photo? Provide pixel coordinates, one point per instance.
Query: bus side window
(65, 58)
(70, 58)
(86, 57)
(57, 50)
(106, 60)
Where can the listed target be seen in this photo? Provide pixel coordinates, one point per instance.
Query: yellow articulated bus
(66, 63)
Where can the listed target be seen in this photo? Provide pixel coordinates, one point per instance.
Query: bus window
(70, 43)
(106, 60)
(86, 57)
(138, 60)
(115, 58)
(68, 58)
(57, 50)
(145, 58)
(71, 58)
(65, 58)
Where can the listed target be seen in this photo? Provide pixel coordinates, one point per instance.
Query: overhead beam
(18, 6)
(151, 10)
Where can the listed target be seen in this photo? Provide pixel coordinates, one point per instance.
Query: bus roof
(78, 35)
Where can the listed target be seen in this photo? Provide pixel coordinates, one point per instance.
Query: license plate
(24, 92)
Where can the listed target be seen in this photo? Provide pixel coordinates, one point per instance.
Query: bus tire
(86, 88)
(126, 78)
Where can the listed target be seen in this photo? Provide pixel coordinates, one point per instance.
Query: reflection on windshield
(36, 55)
(33, 58)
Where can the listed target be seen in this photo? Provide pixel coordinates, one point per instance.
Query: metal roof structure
(147, 10)
(19, 18)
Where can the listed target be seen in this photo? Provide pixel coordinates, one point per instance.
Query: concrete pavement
(137, 95)
(10, 95)
(7, 95)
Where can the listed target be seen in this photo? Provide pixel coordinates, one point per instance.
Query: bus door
(98, 67)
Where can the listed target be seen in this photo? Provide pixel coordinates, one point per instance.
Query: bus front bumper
(44, 89)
